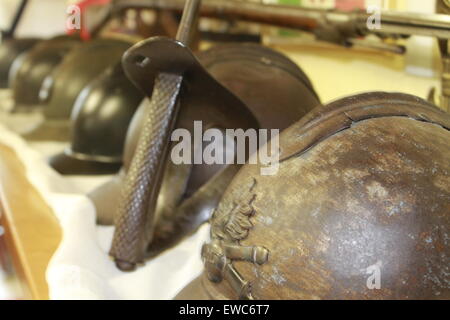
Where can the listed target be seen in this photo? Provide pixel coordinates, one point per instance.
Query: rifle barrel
(348, 24)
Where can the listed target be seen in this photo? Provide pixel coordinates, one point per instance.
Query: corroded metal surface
(363, 185)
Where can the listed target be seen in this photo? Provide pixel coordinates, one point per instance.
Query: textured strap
(138, 195)
(136, 212)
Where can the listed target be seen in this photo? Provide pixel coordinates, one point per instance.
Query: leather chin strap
(136, 211)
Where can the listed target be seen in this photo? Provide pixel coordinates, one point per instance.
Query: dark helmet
(90, 152)
(101, 116)
(189, 193)
(10, 50)
(62, 87)
(100, 119)
(264, 79)
(359, 209)
(29, 71)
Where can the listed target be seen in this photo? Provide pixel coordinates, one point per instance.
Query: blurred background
(53, 11)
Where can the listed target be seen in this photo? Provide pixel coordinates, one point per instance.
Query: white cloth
(81, 267)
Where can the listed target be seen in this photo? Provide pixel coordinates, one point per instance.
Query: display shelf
(32, 232)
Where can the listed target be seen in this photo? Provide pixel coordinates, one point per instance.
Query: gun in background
(8, 34)
(328, 25)
(338, 27)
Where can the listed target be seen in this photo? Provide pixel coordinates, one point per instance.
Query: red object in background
(84, 6)
(348, 5)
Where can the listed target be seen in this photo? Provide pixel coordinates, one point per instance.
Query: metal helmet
(104, 109)
(359, 209)
(10, 50)
(99, 122)
(269, 86)
(29, 71)
(60, 90)
(248, 69)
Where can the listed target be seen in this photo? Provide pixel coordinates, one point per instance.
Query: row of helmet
(363, 183)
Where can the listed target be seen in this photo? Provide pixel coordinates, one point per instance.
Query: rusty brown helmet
(359, 209)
